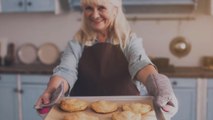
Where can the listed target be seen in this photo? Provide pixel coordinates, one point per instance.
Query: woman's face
(99, 16)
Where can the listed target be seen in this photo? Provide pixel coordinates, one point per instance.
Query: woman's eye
(101, 8)
(88, 8)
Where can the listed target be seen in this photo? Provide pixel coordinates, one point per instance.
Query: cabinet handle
(29, 3)
(15, 90)
(20, 3)
(21, 91)
(174, 83)
(18, 91)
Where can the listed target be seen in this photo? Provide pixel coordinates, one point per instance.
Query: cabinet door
(13, 5)
(158, 2)
(74, 2)
(146, 2)
(209, 100)
(40, 5)
(9, 98)
(33, 86)
(28, 5)
(185, 91)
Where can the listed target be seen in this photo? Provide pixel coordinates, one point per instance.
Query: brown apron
(103, 71)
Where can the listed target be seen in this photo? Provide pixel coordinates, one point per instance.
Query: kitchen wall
(157, 34)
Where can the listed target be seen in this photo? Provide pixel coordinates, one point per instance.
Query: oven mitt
(159, 86)
(43, 109)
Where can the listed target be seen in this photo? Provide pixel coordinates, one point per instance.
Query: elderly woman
(105, 58)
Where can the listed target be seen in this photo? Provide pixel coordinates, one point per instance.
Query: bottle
(0, 61)
(10, 57)
(3, 50)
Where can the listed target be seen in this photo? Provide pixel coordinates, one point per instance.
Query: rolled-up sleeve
(136, 55)
(67, 69)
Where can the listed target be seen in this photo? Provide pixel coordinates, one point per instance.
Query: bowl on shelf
(162, 64)
(207, 62)
(161, 61)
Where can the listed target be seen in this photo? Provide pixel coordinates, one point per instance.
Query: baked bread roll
(73, 105)
(103, 106)
(126, 115)
(137, 108)
(80, 116)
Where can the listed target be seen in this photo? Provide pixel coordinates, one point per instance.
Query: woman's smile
(97, 21)
(97, 24)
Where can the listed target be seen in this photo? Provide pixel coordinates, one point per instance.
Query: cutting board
(57, 114)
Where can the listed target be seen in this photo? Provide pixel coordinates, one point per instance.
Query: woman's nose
(95, 14)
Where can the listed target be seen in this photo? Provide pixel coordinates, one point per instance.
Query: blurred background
(177, 36)
(157, 28)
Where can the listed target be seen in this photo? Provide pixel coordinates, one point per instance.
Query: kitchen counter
(27, 69)
(190, 72)
(186, 72)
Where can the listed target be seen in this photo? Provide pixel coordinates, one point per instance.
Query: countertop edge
(186, 72)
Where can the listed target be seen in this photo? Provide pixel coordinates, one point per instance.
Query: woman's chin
(99, 29)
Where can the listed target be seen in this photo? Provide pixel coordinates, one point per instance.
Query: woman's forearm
(145, 72)
(54, 83)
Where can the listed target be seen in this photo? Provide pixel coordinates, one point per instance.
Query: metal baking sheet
(57, 114)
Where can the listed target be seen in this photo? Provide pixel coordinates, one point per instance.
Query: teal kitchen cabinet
(158, 2)
(147, 2)
(74, 3)
(159, 6)
(210, 99)
(12, 6)
(139, 3)
(9, 99)
(27, 5)
(185, 91)
(150, 6)
(32, 87)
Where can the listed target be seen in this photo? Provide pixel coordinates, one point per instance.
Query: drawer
(184, 82)
(210, 83)
(8, 79)
(35, 79)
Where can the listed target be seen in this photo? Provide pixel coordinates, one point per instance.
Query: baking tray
(57, 114)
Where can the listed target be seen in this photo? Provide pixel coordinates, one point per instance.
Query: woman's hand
(159, 86)
(44, 99)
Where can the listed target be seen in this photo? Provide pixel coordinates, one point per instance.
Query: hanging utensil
(179, 46)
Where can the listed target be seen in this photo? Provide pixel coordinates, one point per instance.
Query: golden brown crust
(126, 115)
(80, 116)
(137, 108)
(73, 105)
(104, 106)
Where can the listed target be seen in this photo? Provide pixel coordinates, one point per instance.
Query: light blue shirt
(67, 69)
